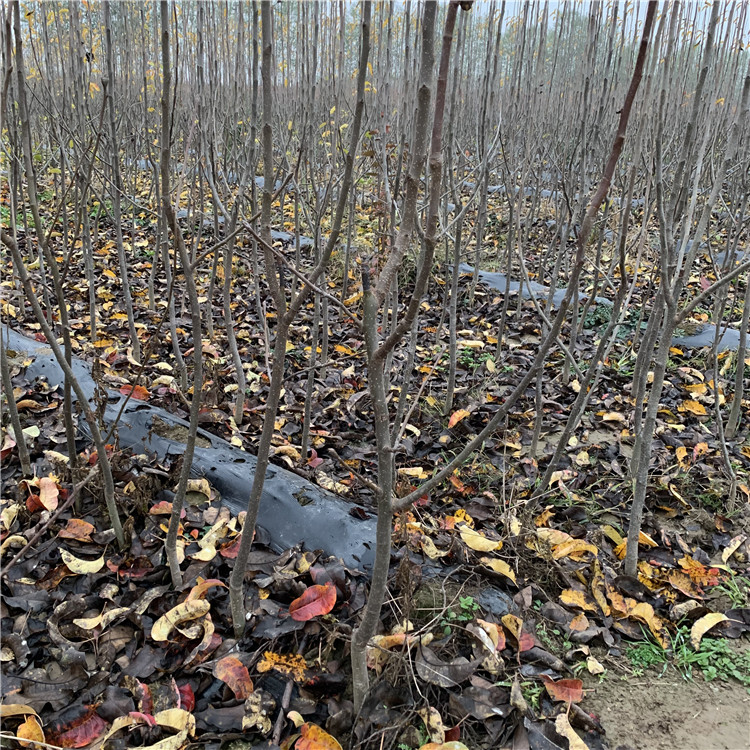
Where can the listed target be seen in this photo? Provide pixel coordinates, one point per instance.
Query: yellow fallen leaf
(499, 566)
(477, 541)
(732, 547)
(702, 625)
(574, 598)
(76, 565)
(594, 665)
(429, 548)
(188, 610)
(30, 730)
(574, 548)
(693, 407)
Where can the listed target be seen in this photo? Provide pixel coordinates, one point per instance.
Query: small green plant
(597, 316)
(471, 359)
(737, 588)
(532, 692)
(467, 609)
(715, 657)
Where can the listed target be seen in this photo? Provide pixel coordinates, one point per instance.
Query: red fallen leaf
(78, 727)
(34, 504)
(453, 735)
(525, 642)
(458, 484)
(316, 600)
(131, 567)
(137, 392)
(567, 691)
(234, 673)
(187, 697)
(314, 461)
(230, 551)
(40, 337)
(422, 501)
(705, 283)
(94, 456)
(77, 529)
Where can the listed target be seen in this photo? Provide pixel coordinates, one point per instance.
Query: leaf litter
(99, 649)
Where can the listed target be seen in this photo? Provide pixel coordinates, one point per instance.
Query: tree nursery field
(374, 375)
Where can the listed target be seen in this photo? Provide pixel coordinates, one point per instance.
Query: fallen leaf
(693, 407)
(562, 725)
(499, 566)
(48, 492)
(31, 729)
(81, 567)
(563, 691)
(188, 610)
(456, 417)
(703, 625)
(234, 673)
(477, 541)
(137, 392)
(315, 738)
(316, 600)
(77, 529)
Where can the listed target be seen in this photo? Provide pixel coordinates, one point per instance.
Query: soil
(649, 713)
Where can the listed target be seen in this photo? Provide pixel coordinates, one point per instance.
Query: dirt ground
(650, 713)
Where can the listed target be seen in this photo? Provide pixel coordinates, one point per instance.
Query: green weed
(715, 658)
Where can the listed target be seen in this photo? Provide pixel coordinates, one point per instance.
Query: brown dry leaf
(48, 492)
(579, 623)
(703, 625)
(77, 529)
